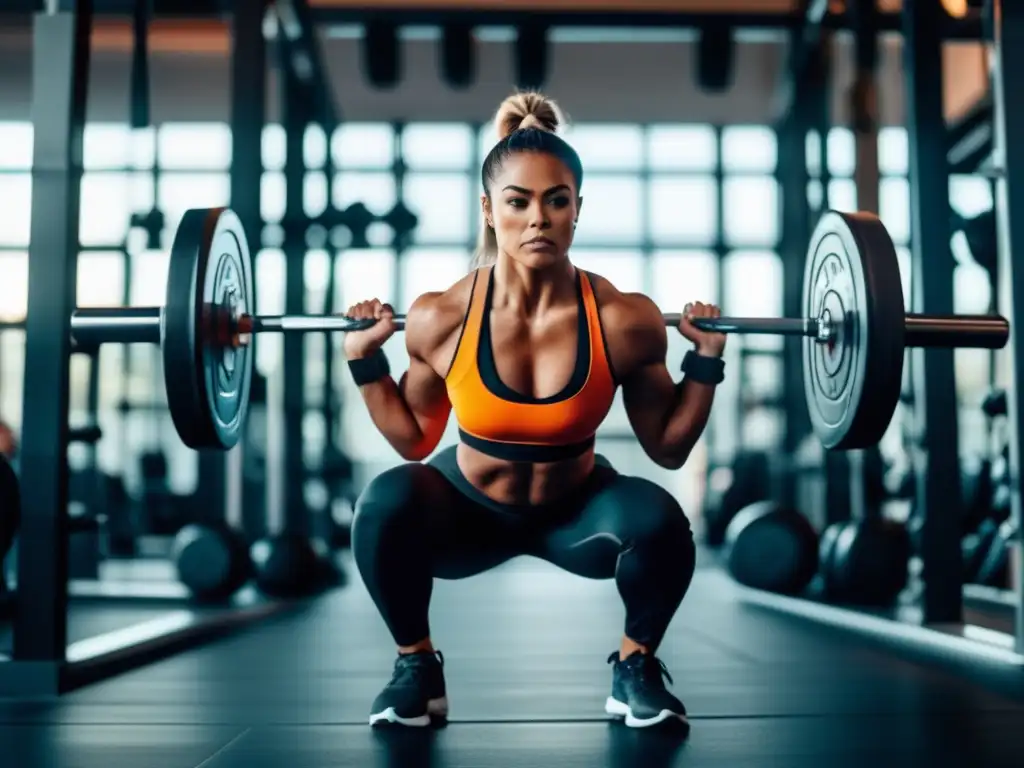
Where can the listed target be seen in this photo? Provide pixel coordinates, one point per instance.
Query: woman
(8, 442)
(528, 351)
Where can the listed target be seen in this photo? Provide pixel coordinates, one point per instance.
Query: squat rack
(940, 627)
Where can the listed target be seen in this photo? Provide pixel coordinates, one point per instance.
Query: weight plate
(10, 509)
(209, 279)
(852, 383)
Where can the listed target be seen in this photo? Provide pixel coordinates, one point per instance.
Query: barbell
(855, 329)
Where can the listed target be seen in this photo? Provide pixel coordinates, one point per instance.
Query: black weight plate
(211, 561)
(771, 547)
(209, 278)
(827, 553)
(852, 383)
(286, 565)
(10, 509)
(869, 564)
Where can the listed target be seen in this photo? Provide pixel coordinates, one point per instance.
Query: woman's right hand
(364, 343)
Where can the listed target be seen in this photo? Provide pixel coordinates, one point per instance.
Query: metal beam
(60, 70)
(934, 453)
(299, 50)
(179, 8)
(297, 114)
(1009, 156)
(970, 138)
(807, 38)
(969, 28)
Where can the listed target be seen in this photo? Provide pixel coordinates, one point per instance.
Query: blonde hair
(517, 112)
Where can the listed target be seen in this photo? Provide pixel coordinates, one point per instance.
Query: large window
(681, 212)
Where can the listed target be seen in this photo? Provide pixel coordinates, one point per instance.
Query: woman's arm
(668, 418)
(412, 414)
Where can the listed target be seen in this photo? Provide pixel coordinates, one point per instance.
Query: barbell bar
(951, 331)
(142, 325)
(855, 325)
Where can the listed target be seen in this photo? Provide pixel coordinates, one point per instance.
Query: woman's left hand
(708, 343)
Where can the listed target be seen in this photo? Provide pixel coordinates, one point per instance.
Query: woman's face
(533, 207)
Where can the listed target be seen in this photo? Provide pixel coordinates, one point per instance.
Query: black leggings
(416, 522)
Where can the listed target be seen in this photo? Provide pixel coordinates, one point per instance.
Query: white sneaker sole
(616, 708)
(435, 708)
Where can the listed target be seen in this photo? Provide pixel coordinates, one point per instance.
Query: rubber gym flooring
(526, 648)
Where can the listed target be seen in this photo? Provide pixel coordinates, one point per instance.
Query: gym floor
(525, 647)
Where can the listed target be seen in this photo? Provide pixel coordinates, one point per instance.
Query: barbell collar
(957, 331)
(91, 327)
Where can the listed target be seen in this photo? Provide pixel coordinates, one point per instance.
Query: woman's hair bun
(527, 110)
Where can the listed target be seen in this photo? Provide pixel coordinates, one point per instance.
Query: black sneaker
(638, 692)
(415, 694)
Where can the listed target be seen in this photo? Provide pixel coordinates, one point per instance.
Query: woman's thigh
(416, 505)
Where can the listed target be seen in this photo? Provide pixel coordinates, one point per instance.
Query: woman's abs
(520, 483)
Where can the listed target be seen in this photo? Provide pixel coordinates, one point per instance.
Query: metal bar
(957, 331)
(296, 116)
(969, 139)
(300, 53)
(1009, 206)
(128, 325)
(248, 116)
(794, 180)
(803, 48)
(60, 69)
(773, 326)
(862, 96)
(139, 108)
(935, 454)
(969, 28)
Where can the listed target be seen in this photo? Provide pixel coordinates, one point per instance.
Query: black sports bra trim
(526, 453)
(488, 368)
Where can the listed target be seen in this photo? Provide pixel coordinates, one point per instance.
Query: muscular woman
(8, 442)
(528, 351)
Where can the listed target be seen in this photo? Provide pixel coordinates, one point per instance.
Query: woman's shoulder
(632, 324)
(624, 310)
(435, 315)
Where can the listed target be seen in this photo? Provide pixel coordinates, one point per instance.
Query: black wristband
(703, 369)
(366, 370)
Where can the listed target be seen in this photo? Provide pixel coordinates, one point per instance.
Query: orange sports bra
(497, 420)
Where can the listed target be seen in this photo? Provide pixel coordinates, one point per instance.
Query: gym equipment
(852, 294)
(772, 547)
(212, 561)
(975, 547)
(206, 374)
(157, 503)
(731, 487)
(10, 514)
(978, 490)
(994, 404)
(287, 565)
(994, 570)
(864, 562)
(86, 545)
